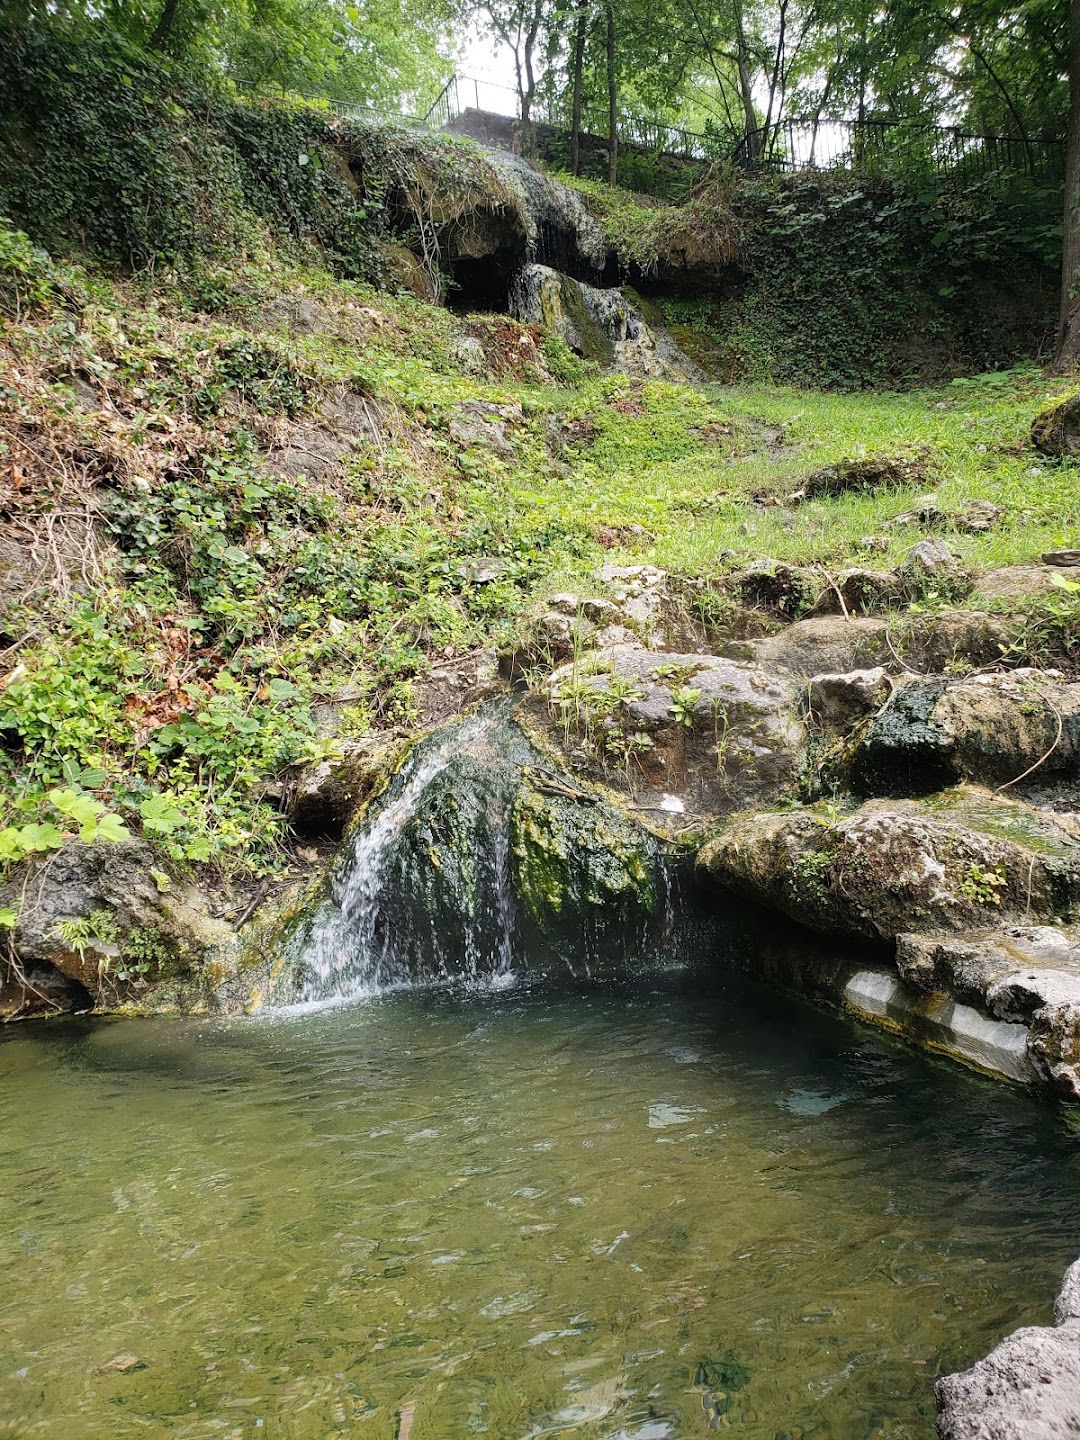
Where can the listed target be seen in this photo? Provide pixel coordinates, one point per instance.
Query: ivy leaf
(111, 827)
(159, 815)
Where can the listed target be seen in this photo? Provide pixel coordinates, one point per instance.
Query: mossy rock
(574, 857)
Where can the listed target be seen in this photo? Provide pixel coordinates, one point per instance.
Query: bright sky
(484, 59)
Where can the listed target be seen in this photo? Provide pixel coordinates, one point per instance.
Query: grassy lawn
(233, 598)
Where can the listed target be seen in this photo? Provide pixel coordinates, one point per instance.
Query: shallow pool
(644, 1212)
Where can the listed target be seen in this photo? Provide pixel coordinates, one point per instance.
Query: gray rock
(327, 793)
(716, 733)
(1027, 974)
(931, 566)
(1061, 558)
(1027, 1388)
(978, 516)
(838, 701)
(826, 644)
(468, 355)
(1057, 431)
(111, 887)
(293, 313)
(859, 591)
(477, 424)
(991, 729)
(774, 585)
(898, 867)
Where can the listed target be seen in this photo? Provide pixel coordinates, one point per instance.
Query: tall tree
(1068, 346)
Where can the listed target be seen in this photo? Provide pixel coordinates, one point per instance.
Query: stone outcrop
(999, 729)
(110, 922)
(712, 735)
(1028, 1388)
(898, 866)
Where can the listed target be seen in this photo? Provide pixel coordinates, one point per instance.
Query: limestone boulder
(106, 917)
(897, 867)
(1057, 431)
(712, 735)
(1019, 728)
(930, 566)
(1027, 1388)
(837, 702)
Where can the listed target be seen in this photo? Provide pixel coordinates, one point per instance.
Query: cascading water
(478, 863)
(423, 888)
(600, 324)
(559, 229)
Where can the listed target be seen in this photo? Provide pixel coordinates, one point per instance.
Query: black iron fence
(875, 146)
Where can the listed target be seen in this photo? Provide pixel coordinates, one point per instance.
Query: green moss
(571, 858)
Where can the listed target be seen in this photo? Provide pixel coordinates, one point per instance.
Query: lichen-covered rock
(1024, 973)
(108, 919)
(1057, 431)
(1027, 1388)
(717, 734)
(575, 858)
(839, 701)
(898, 866)
(993, 729)
(930, 566)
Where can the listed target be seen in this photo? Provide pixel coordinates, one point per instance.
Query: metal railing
(876, 145)
(823, 143)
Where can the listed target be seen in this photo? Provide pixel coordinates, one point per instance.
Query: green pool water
(639, 1212)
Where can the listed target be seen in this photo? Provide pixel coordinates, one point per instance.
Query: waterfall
(559, 230)
(599, 324)
(478, 863)
(422, 890)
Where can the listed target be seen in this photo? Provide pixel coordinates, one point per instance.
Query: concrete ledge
(997, 1047)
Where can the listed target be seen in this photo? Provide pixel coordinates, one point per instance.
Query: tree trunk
(1068, 346)
(164, 25)
(579, 65)
(613, 98)
(746, 89)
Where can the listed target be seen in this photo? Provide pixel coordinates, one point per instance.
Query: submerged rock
(895, 867)
(1027, 1388)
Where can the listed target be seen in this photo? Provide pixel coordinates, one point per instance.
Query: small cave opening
(481, 285)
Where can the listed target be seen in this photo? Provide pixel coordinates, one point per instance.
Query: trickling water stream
(424, 890)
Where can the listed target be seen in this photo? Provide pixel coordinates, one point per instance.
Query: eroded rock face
(988, 728)
(898, 866)
(327, 793)
(97, 915)
(1028, 1388)
(716, 735)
